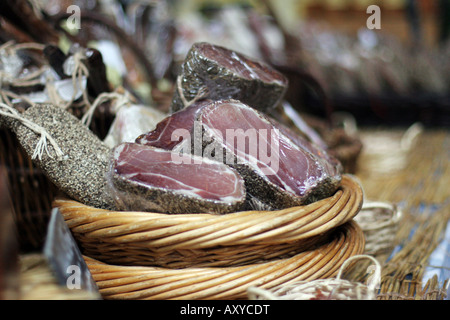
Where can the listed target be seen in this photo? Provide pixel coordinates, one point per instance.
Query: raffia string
(34, 78)
(79, 71)
(121, 100)
(53, 95)
(11, 48)
(332, 288)
(42, 145)
(202, 93)
(6, 95)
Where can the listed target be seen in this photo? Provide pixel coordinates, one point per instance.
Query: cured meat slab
(172, 130)
(278, 172)
(226, 74)
(303, 142)
(280, 168)
(152, 179)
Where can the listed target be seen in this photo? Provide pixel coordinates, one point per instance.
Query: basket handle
(374, 280)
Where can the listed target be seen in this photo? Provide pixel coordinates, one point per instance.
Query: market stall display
(120, 131)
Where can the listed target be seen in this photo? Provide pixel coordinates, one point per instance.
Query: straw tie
(78, 70)
(42, 145)
(121, 100)
(202, 93)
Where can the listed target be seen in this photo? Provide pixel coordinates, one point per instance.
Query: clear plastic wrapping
(216, 73)
(132, 121)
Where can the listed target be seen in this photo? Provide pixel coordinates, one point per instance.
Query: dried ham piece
(167, 134)
(326, 159)
(295, 173)
(278, 172)
(153, 179)
(226, 74)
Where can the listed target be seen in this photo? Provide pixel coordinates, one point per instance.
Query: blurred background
(397, 74)
(379, 98)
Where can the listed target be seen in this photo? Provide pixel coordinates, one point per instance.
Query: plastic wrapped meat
(130, 122)
(280, 168)
(216, 73)
(318, 149)
(278, 172)
(165, 134)
(152, 179)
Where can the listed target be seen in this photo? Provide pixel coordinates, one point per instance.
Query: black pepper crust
(82, 174)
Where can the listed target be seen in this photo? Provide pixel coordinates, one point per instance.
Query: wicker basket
(380, 222)
(31, 192)
(196, 240)
(207, 283)
(144, 255)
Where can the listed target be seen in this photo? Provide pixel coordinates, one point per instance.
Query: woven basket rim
(176, 231)
(186, 240)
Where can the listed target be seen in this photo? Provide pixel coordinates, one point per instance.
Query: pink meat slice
(162, 136)
(298, 170)
(331, 163)
(156, 168)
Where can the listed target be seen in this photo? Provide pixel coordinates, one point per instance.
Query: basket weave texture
(207, 283)
(196, 240)
(380, 222)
